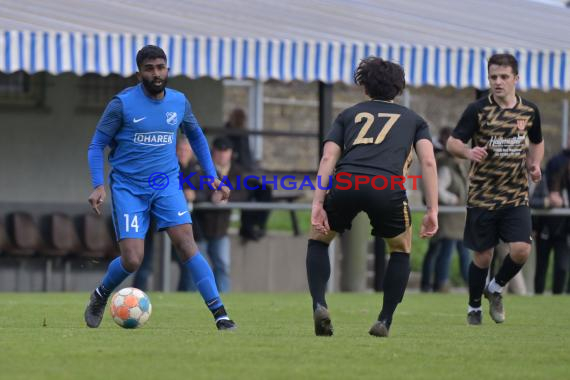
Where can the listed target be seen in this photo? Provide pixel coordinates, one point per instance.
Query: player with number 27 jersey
(369, 150)
(377, 138)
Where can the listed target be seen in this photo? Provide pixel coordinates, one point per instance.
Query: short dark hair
(222, 143)
(504, 60)
(149, 52)
(382, 80)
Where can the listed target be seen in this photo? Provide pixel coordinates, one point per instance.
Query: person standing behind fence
(237, 133)
(212, 235)
(555, 230)
(253, 222)
(452, 191)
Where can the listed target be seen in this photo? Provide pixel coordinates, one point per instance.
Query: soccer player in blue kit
(140, 126)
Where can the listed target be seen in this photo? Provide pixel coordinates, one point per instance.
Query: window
(96, 91)
(22, 89)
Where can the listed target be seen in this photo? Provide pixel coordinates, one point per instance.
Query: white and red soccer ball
(130, 308)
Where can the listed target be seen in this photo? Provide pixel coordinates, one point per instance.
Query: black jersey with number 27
(376, 138)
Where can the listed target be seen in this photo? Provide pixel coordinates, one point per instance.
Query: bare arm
(459, 149)
(424, 150)
(533, 159)
(108, 125)
(331, 155)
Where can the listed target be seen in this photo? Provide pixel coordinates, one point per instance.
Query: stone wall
(294, 107)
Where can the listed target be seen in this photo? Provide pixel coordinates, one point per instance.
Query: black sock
(395, 282)
(101, 291)
(318, 270)
(219, 312)
(507, 271)
(477, 277)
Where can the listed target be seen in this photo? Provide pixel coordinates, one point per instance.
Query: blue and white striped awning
(264, 59)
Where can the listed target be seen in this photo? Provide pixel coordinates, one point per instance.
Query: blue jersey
(146, 141)
(141, 132)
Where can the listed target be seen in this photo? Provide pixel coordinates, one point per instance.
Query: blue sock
(116, 273)
(203, 278)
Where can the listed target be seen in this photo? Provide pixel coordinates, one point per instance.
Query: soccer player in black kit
(498, 126)
(368, 148)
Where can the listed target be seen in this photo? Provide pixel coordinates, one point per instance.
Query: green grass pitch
(42, 336)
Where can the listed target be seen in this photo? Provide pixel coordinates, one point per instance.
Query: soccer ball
(130, 308)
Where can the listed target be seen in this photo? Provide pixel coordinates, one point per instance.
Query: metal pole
(325, 112)
(307, 206)
(564, 123)
(258, 122)
(406, 98)
(355, 255)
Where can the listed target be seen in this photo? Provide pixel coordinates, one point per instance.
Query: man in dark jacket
(553, 232)
(212, 232)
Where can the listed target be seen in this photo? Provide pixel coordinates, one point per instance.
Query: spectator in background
(553, 232)
(539, 199)
(212, 234)
(237, 133)
(433, 244)
(452, 191)
(253, 223)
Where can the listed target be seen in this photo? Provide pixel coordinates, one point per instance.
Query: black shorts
(387, 209)
(484, 228)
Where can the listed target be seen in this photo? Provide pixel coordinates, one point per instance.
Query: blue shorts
(134, 202)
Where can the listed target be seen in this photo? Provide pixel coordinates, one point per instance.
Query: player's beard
(152, 88)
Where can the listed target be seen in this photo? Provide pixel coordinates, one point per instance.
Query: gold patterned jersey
(501, 179)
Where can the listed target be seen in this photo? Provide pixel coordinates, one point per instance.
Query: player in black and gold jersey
(501, 161)
(368, 149)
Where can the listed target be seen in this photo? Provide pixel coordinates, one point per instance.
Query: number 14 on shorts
(131, 223)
